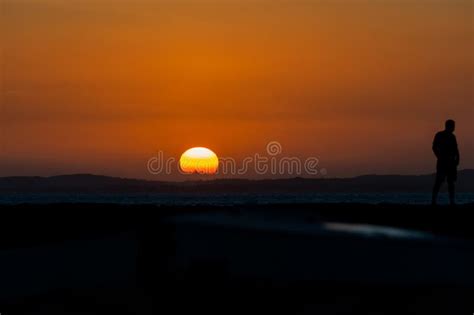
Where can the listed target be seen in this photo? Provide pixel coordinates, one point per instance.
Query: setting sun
(199, 160)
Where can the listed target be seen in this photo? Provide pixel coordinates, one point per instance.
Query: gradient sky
(99, 86)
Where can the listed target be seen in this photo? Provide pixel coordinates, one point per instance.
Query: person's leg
(437, 185)
(452, 176)
(451, 189)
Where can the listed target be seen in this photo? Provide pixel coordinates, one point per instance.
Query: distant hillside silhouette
(85, 183)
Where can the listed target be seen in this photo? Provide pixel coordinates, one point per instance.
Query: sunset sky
(100, 86)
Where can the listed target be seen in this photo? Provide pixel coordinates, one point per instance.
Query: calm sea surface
(230, 199)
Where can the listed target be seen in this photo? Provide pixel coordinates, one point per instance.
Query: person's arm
(435, 146)
(457, 156)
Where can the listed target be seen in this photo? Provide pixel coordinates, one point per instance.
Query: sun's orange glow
(199, 160)
(110, 82)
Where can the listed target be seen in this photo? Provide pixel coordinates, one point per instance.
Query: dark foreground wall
(326, 259)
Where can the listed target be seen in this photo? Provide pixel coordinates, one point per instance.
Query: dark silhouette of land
(272, 259)
(102, 184)
(445, 148)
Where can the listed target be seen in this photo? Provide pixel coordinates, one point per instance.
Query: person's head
(450, 125)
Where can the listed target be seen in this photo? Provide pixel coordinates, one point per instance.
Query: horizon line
(216, 179)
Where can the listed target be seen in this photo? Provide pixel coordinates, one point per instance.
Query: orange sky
(100, 86)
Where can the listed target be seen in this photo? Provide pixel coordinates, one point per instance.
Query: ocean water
(231, 199)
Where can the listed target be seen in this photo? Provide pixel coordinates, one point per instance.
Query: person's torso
(446, 142)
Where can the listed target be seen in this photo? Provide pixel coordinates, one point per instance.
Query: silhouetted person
(445, 147)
